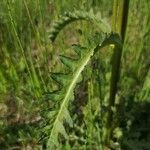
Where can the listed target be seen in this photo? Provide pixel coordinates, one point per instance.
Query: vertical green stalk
(37, 34)
(17, 38)
(119, 24)
(32, 76)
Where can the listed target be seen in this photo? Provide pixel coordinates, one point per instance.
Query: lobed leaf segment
(68, 82)
(70, 17)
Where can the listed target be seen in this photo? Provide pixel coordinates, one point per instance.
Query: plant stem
(119, 24)
(17, 39)
(120, 16)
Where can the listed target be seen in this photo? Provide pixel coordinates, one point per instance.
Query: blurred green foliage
(27, 57)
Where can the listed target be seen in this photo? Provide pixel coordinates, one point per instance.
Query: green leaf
(69, 62)
(60, 78)
(69, 81)
(70, 17)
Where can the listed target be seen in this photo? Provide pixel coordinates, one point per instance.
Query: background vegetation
(27, 57)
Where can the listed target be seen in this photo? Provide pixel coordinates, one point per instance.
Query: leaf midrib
(70, 88)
